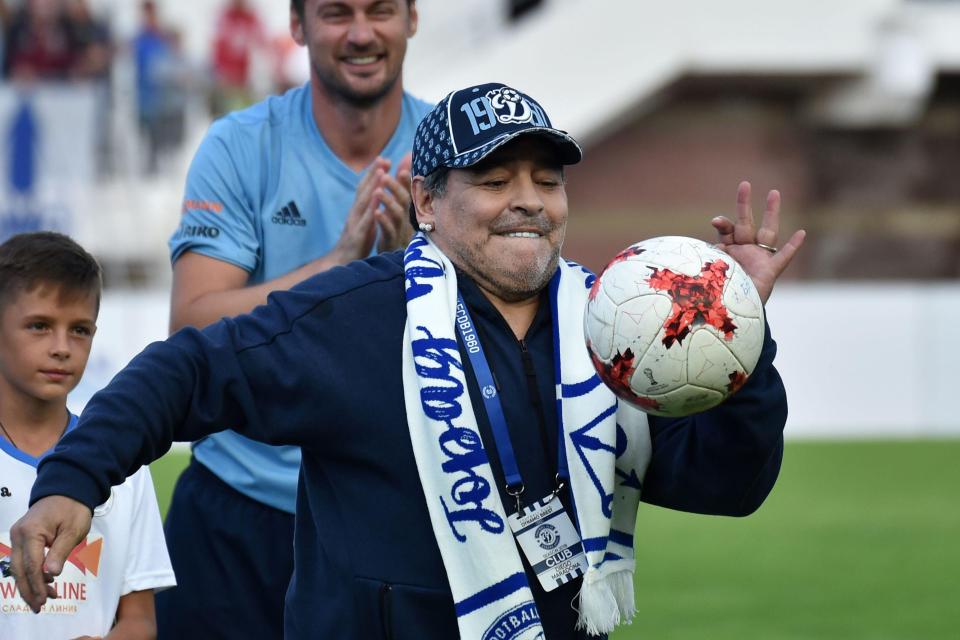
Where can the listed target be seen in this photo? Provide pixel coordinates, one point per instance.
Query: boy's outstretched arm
(136, 617)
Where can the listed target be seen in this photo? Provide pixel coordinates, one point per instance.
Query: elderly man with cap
(464, 472)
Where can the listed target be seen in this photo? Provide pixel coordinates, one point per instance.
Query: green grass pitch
(859, 540)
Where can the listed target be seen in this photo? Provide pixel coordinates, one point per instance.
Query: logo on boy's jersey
(5, 492)
(72, 591)
(85, 556)
(289, 214)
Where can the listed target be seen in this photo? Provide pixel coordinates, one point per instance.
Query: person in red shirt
(40, 43)
(238, 34)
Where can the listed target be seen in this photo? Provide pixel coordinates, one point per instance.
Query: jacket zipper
(533, 391)
(385, 621)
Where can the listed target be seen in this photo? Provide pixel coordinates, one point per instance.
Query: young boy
(49, 301)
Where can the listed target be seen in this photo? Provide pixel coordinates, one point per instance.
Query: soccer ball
(673, 325)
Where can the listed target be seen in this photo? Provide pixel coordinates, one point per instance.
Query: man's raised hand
(393, 217)
(756, 249)
(359, 232)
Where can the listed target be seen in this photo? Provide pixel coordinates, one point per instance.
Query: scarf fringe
(606, 601)
(621, 584)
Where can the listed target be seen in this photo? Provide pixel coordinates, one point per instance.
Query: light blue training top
(266, 193)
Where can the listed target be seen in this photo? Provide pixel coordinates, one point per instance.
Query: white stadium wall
(859, 360)
(869, 360)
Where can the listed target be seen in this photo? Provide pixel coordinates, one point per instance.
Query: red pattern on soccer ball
(644, 402)
(626, 254)
(696, 300)
(617, 373)
(737, 380)
(620, 257)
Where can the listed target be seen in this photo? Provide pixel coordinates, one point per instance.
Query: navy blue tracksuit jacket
(320, 367)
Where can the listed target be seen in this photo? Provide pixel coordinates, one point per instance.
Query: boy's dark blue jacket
(320, 367)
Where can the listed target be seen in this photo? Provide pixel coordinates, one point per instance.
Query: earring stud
(426, 227)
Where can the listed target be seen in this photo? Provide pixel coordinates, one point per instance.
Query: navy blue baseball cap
(470, 124)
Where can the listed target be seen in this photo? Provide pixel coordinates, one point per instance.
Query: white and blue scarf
(607, 449)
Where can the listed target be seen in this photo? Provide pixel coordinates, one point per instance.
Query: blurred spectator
(55, 40)
(92, 39)
(4, 23)
(95, 50)
(40, 42)
(238, 35)
(155, 51)
(174, 77)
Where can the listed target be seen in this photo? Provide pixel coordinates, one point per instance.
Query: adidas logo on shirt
(289, 215)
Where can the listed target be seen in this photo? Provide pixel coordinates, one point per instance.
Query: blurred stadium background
(851, 109)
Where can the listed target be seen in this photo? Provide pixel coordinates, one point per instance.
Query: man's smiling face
(356, 46)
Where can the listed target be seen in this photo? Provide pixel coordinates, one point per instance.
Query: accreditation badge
(550, 542)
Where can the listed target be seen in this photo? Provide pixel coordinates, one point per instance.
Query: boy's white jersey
(125, 551)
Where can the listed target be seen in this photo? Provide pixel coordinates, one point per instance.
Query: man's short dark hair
(298, 6)
(46, 257)
(436, 184)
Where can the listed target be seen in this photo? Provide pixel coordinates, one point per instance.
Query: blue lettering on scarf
(435, 359)
(416, 265)
(630, 479)
(583, 441)
(589, 277)
(513, 623)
